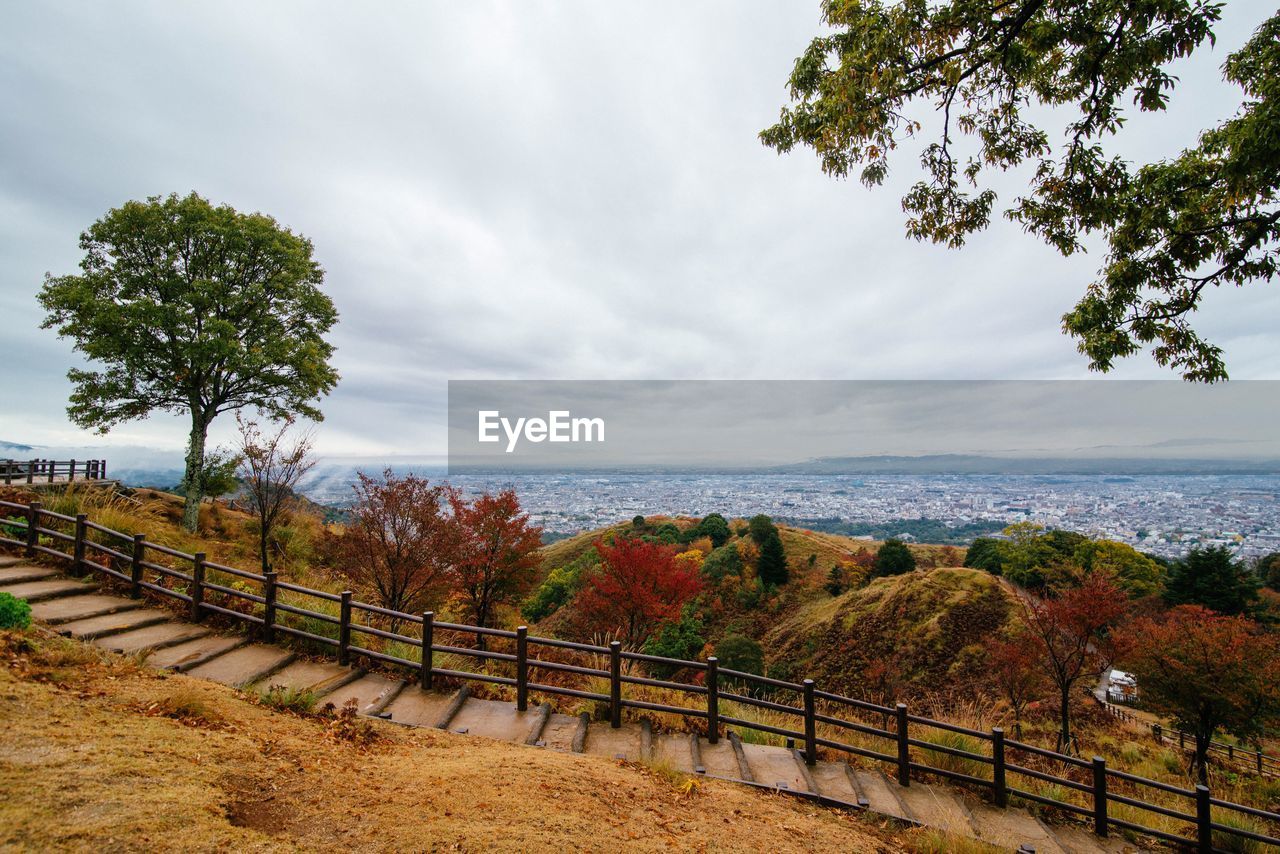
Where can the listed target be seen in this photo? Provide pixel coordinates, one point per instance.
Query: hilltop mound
(911, 634)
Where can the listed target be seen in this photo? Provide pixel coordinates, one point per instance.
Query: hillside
(908, 634)
(84, 728)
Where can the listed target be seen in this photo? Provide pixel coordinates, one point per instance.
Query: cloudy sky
(568, 190)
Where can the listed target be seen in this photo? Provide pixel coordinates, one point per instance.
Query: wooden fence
(48, 471)
(1238, 756)
(342, 626)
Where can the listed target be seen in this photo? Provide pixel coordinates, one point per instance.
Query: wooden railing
(48, 471)
(1238, 756)
(339, 625)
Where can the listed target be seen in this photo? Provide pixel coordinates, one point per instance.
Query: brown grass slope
(927, 626)
(100, 754)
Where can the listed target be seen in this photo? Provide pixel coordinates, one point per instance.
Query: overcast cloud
(528, 191)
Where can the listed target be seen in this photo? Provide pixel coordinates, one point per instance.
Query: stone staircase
(76, 609)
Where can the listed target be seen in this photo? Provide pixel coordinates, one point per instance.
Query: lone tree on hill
(1209, 672)
(772, 565)
(992, 73)
(1070, 632)
(894, 558)
(193, 309)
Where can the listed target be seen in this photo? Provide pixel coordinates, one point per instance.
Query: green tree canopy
(984, 553)
(193, 309)
(741, 653)
(716, 527)
(1134, 572)
(1212, 578)
(985, 77)
(894, 558)
(1268, 569)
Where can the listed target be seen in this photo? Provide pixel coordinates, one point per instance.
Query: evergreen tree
(772, 566)
(1212, 578)
(894, 558)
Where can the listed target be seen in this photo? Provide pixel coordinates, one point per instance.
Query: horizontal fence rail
(50, 471)
(339, 625)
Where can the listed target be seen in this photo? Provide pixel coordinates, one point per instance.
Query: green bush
(15, 528)
(14, 612)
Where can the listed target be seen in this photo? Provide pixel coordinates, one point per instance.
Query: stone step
(936, 806)
(69, 608)
(672, 751)
(366, 691)
(881, 794)
(243, 665)
(1074, 839)
(50, 588)
(17, 572)
(150, 638)
(415, 707)
(559, 731)
(10, 560)
(833, 782)
(774, 766)
(604, 740)
(493, 719)
(186, 655)
(113, 624)
(719, 759)
(1010, 829)
(319, 677)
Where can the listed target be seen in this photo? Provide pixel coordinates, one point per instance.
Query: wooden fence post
(197, 587)
(1099, 796)
(522, 668)
(31, 471)
(269, 606)
(49, 469)
(615, 684)
(71, 472)
(998, 784)
(713, 699)
(77, 546)
(1259, 753)
(344, 629)
(810, 725)
(8, 472)
(135, 566)
(33, 527)
(904, 747)
(428, 641)
(102, 469)
(1204, 820)
(1158, 733)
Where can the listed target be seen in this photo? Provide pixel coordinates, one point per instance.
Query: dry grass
(85, 767)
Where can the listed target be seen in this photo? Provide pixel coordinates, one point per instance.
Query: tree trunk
(1200, 759)
(1064, 733)
(195, 473)
(262, 542)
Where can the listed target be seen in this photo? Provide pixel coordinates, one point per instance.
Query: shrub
(679, 639)
(282, 699)
(894, 558)
(14, 612)
(739, 652)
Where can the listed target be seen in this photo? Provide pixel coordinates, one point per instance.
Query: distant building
(1122, 687)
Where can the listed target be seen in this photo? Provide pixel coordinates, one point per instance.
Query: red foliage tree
(400, 542)
(1014, 665)
(1208, 672)
(639, 587)
(496, 556)
(1070, 633)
